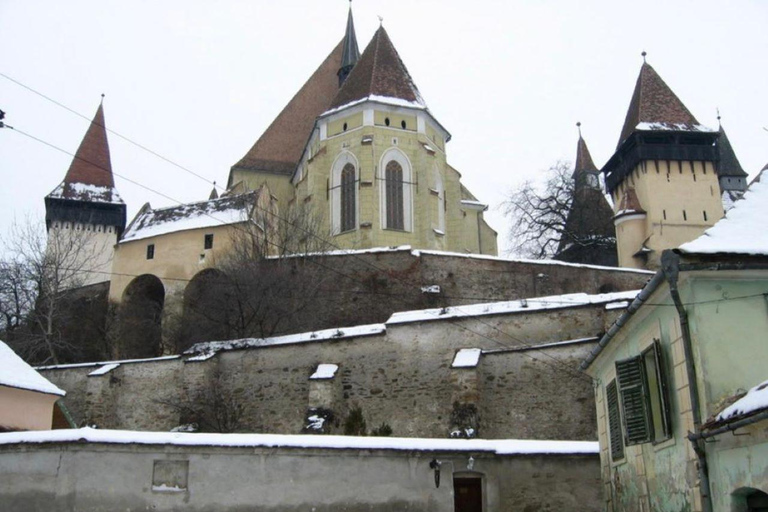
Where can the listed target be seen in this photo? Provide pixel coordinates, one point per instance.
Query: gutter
(731, 427)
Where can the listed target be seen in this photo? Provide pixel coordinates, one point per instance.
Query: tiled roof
(629, 203)
(380, 73)
(280, 147)
(654, 102)
(729, 165)
(204, 214)
(89, 177)
(583, 158)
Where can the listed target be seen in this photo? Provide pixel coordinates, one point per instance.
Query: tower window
(151, 251)
(402, 124)
(344, 127)
(348, 198)
(394, 196)
(208, 243)
(386, 121)
(705, 214)
(665, 214)
(685, 215)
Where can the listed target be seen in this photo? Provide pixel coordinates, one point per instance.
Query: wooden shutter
(662, 377)
(634, 405)
(614, 422)
(394, 195)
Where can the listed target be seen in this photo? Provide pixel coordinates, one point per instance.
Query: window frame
(208, 241)
(342, 162)
(395, 154)
(150, 251)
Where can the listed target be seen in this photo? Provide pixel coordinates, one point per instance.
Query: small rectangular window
(665, 214)
(209, 241)
(705, 214)
(685, 215)
(151, 251)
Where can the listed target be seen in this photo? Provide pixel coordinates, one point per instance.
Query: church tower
(589, 235)
(663, 176)
(85, 215)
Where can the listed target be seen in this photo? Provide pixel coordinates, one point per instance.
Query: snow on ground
(515, 306)
(15, 373)
(467, 358)
(743, 230)
(755, 399)
(501, 446)
(324, 371)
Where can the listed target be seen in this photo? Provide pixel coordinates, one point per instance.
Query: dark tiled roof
(654, 102)
(629, 203)
(89, 177)
(280, 147)
(379, 72)
(351, 53)
(729, 165)
(583, 158)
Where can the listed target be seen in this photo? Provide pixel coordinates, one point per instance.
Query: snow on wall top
(466, 358)
(755, 399)
(324, 371)
(499, 447)
(215, 212)
(209, 348)
(514, 306)
(743, 230)
(15, 373)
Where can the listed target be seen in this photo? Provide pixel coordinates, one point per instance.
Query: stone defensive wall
(503, 370)
(86, 469)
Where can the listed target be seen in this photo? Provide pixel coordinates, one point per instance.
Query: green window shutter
(662, 376)
(614, 421)
(634, 406)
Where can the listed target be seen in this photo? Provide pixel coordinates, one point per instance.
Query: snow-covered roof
(104, 363)
(204, 214)
(676, 127)
(205, 350)
(743, 230)
(384, 100)
(86, 192)
(514, 306)
(467, 358)
(15, 373)
(754, 400)
(499, 447)
(324, 371)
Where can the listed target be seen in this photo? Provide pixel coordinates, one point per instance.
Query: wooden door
(467, 495)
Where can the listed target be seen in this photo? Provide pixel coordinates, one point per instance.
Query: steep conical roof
(350, 54)
(654, 103)
(280, 147)
(379, 73)
(729, 165)
(583, 157)
(89, 177)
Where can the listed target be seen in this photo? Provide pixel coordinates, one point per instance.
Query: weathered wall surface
(402, 378)
(97, 477)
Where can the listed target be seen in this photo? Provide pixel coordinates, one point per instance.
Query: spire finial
(644, 54)
(578, 125)
(381, 20)
(719, 124)
(102, 98)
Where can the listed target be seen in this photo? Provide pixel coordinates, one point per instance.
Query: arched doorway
(207, 304)
(140, 316)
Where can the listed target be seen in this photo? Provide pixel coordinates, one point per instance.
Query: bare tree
(38, 278)
(539, 212)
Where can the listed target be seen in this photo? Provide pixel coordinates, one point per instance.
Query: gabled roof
(89, 177)
(15, 373)
(280, 147)
(655, 107)
(204, 214)
(729, 165)
(380, 73)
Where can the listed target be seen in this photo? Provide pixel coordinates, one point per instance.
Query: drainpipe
(670, 263)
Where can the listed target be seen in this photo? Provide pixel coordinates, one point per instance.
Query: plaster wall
(90, 251)
(91, 477)
(21, 409)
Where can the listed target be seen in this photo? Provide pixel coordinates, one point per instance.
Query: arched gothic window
(395, 214)
(348, 200)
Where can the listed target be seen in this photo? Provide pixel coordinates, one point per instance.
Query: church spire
(583, 157)
(351, 53)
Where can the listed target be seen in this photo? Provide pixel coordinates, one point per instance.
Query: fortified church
(420, 330)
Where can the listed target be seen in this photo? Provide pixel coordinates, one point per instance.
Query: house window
(151, 251)
(348, 200)
(614, 421)
(644, 397)
(208, 244)
(394, 196)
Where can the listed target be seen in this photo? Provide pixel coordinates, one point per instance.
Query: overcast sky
(199, 81)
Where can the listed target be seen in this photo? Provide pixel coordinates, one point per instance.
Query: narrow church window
(208, 243)
(386, 121)
(348, 198)
(151, 251)
(394, 196)
(402, 123)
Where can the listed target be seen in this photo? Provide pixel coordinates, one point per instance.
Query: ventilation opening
(386, 121)
(402, 123)
(344, 127)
